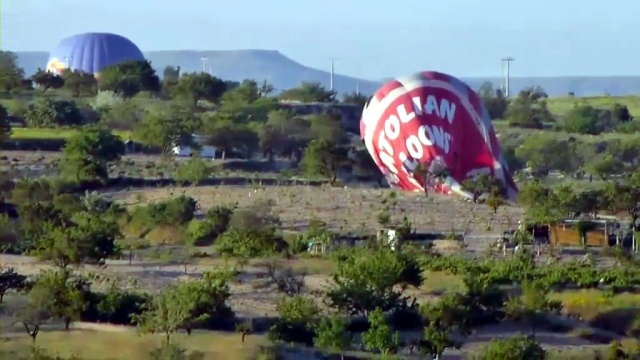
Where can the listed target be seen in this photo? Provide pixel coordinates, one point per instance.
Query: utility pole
(331, 86)
(204, 64)
(358, 81)
(506, 61)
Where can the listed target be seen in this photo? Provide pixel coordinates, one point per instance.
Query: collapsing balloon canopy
(432, 130)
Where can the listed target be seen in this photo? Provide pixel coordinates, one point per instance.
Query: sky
(371, 39)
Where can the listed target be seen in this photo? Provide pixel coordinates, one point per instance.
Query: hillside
(285, 73)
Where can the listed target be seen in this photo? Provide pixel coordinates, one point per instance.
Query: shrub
(174, 212)
(114, 306)
(514, 348)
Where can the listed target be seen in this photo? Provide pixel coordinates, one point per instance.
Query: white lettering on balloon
(427, 135)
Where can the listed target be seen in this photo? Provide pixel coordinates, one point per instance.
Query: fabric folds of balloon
(430, 132)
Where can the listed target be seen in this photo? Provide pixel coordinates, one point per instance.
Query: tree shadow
(619, 321)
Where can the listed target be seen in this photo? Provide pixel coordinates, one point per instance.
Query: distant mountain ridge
(285, 73)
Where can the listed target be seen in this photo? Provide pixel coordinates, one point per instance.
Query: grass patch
(47, 133)
(562, 105)
(440, 282)
(128, 345)
(312, 265)
(618, 313)
(164, 235)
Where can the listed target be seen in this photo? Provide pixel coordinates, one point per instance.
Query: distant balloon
(92, 52)
(431, 129)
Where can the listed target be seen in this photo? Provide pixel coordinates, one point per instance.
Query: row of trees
(130, 78)
(529, 110)
(546, 205)
(368, 282)
(88, 155)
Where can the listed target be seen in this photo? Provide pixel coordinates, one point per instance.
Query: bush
(205, 232)
(114, 306)
(174, 212)
(514, 348)
(249, 243)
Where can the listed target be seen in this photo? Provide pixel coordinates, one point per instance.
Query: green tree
(532, 305)
(298, 317)
(436, 341)
(166, 129)
(246, 92)
(494, 100)
(529, 109)
(81, 238)
(47, 80)
(229, 137)
(309, 92)
(45, 113)
(332, 335)
(251, 233)
(35, 311)
(79, 83)
(68, 298)
(284, 135)
(171, 74)
(544, 153)
(621, 113)
(199, 86)
(121, 115)
(483, 184)
(328, 128)
(322, 158)
(129, 78)
(193, 171)
(10, 280)
(11, 75)
(604, 166)
(582, 119)
(379, 337)
(88, 153)
(210, 295)
(5, 125)
(514, 348)
(168, 311)
(626, 197)
(368, 279)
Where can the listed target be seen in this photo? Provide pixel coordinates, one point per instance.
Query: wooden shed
(597, 233)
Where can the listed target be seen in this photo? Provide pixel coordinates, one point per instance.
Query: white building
(206, 151)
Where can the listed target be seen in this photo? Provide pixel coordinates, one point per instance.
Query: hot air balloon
(430, 132)
(92, 52)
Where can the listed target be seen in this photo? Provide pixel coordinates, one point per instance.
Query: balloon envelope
(432, 130)
(92, 52)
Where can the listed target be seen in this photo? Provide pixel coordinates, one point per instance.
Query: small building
(205, 151)
(590, 232)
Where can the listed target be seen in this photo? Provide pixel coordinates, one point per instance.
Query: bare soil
(347, 209)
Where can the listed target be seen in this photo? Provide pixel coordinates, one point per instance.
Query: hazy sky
(371, 38)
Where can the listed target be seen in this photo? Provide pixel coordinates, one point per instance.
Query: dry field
(352, 210)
